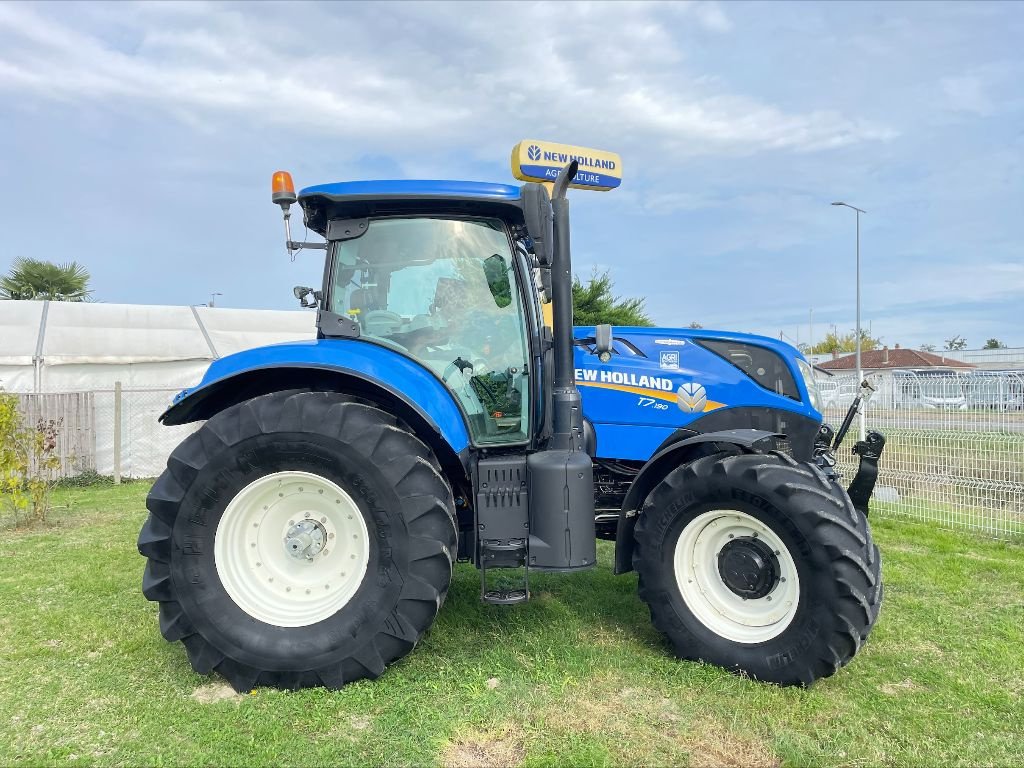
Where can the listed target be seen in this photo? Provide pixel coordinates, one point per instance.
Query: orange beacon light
(282, 189)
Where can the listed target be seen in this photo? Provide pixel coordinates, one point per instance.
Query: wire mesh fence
(954, 454)
(112, 432)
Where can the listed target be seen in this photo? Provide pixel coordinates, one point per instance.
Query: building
(897, 358)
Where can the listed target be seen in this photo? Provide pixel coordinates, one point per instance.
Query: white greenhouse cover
(153, 351)
(64, 346)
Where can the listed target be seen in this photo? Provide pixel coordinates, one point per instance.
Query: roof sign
(542, 160)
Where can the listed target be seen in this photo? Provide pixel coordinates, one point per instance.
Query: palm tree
(41, 280)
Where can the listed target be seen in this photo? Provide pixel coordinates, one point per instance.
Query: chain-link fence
(954, 454)
(112, 432)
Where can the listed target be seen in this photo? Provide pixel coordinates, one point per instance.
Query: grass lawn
(577, 675)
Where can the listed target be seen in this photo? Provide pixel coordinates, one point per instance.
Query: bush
(29, 463)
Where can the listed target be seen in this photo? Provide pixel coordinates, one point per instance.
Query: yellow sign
(542, 160)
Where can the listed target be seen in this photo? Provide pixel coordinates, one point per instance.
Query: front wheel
(297, 540)
(758, 564)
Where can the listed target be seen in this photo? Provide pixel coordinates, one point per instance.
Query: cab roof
(357, 199)
(405, 188)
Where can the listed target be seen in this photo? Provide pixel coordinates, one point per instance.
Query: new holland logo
(533, 152)
(691, 397)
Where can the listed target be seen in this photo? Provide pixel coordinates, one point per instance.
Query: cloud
(441, 75)
(967, 94)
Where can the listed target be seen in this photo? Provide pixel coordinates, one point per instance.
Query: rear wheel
(758, 564)
(297, 540)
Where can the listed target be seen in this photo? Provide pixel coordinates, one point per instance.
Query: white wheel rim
(258, 572)
(708, 597)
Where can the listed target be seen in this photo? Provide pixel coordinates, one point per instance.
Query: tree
(594, 303)
(695, 325)
(41, 280)
(994, 344)
(927, 347)
(955, 343)
(845, 343)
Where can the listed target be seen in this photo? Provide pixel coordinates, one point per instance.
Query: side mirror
(307, 296)
(603, 342)
(537, 212)
(496, 272)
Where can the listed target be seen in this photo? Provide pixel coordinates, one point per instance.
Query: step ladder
(502, 530)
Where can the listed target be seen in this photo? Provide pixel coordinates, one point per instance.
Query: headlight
(812, 386)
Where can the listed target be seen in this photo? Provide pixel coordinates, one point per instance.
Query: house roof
(885, 359)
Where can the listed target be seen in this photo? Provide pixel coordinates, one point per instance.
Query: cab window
(442, 290)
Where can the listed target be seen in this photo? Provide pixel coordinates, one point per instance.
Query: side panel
(658, 382)
(372, 363)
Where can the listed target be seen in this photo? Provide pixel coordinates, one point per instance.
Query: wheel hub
(748, 567)
(736, 575)
(305, 540)
(292, 548)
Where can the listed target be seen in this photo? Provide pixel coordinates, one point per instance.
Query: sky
(139, 140)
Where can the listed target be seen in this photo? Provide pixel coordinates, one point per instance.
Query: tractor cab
(440, 273)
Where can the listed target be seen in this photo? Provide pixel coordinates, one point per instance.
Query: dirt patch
(980, 558)
(713, 745)
(895, 689)
(213, 692)
(359, 722)
(493, 750)
(910, 549)
(637, 723)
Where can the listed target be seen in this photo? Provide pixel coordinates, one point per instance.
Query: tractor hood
(662, 380)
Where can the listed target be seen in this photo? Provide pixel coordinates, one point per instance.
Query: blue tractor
(305, 535)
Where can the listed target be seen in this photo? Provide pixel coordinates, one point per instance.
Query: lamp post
(213, 303)
(860, 371)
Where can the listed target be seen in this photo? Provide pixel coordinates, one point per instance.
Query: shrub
(29, 463)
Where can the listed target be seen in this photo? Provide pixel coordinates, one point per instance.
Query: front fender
(364, 367)
(663, 462)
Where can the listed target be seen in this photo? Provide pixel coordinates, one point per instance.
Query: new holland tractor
(305, 535)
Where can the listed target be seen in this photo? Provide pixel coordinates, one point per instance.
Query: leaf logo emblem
(533, 152)
(691, 397)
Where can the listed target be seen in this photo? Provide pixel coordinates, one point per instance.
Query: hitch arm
(870, 451)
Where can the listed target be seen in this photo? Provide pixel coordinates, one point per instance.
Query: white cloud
(424, 75)
(967, 94)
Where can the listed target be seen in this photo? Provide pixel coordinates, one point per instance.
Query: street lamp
(213, 303)
(860, 371)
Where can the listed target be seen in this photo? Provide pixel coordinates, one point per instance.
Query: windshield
(441, 291)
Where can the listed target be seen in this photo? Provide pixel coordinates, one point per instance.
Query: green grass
(578, 675)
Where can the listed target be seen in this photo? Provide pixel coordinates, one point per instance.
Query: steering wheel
(377, 317)
(463, 365)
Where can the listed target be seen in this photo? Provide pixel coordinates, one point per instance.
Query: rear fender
(667, 459)
(398, 384)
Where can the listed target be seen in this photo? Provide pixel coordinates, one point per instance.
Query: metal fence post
(117, 433)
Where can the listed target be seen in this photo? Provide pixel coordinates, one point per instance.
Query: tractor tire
(759, 564)
(298, 540)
